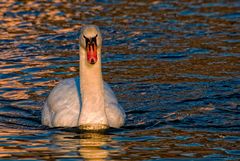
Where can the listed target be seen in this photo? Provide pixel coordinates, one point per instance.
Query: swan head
(91, 42)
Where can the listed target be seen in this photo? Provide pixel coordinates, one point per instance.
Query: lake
(173, 65)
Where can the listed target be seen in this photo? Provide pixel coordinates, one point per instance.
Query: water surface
(174, 67)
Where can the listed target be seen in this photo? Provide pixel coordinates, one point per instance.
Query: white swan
(87, 102)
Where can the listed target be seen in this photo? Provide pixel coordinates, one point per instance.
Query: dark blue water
(174, 67)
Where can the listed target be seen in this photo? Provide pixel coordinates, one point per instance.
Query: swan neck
(92, 91)
(90, 76)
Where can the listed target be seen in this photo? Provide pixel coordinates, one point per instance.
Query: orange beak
(92, 53)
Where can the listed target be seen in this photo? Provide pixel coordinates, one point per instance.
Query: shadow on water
(174, 67)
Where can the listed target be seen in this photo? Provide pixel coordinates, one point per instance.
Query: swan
(86, 101)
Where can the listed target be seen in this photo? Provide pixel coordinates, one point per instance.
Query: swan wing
(62, 107)
(115, 113)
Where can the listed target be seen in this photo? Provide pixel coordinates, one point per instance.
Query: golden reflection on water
(13, 145)
(144, 144)
(87, 145)
(20, 143)
(27, 21)
(91, 146)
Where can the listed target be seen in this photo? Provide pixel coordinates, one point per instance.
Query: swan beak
(92, 52)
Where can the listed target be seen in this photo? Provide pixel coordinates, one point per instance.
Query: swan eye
(94, 39)
(86, 40)
(89, 41)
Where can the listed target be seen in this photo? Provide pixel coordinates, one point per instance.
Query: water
(174, 67)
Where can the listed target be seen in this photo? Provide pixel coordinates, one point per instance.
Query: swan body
(86, 101)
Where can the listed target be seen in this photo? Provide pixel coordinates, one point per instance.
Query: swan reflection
(87, 145)
(91, 146)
